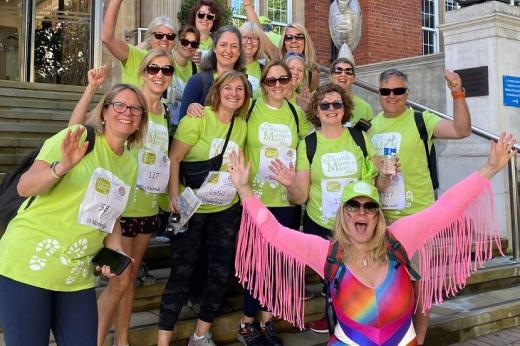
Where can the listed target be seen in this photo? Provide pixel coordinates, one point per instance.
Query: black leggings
(217, 232)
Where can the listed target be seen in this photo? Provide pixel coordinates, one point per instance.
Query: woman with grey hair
(253, 48)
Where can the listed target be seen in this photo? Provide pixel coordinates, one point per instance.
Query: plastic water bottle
(389, 161)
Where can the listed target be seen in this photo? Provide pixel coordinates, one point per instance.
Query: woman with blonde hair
(252, 44)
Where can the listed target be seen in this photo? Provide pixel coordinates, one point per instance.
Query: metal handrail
(511, 167)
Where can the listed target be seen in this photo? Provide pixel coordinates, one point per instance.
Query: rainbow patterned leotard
(369, 316)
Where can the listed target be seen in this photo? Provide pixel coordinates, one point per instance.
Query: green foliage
(226, 12)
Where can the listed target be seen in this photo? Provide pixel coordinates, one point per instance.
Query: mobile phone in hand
(115, 260)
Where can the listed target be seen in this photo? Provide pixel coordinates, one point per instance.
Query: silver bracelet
(53, 170)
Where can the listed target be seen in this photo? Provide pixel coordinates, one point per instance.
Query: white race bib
(268, 154)
(331, 191)
(217, 189)
(153, 171)
(393, 197)
(104, 201)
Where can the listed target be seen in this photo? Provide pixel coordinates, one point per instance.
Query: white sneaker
(205, 341)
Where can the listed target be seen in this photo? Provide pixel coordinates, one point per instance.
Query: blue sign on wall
(511, 86)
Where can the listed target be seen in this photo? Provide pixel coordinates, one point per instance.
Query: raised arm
(269, 48)
(116, 46)
(96, 76)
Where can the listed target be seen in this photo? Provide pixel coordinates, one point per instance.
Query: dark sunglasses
(209, 16)
(396, 91)
(348, 71)
(354, 206)
(120, 107)
(159, 36)
(186, 43)
(154, 69)
(297, 37)
(283, 80)
(324, 106)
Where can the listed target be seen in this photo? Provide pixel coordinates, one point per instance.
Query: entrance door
(11, 39)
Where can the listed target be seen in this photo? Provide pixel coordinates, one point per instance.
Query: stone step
(11, 114)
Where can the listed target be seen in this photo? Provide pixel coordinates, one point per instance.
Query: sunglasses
(354, 206)
(325, 106)
(348, 71)
(396, 91)
(120, 107)
(297, 37)
(209, 16)
(186, 43)
(154, 69)
(283, 80)
(159, 36)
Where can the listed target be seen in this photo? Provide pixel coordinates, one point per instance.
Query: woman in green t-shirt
(252, 45)
(299, 92)
(205, 16)
(222, 129)
(46, 276)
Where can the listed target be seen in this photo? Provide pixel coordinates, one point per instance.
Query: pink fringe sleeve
(445, 233)
(270, 261)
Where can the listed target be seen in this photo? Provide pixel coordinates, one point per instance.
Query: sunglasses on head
(297, 37)
(396, 91)
(186, 43)
(154, 69)
(283, 80)
(209, 16)
(354, 206)
(324, 106)
(160, 35)
(348, 71)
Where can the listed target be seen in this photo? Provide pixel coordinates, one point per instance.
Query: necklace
(365, 262)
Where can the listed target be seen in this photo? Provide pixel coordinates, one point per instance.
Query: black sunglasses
(354, 206)
(154, 69)
(348, 71)
(396, 91)
(159, 36)
(324, 106)
(297, 37)
(186, 43)
(283, 80)
(209, 16)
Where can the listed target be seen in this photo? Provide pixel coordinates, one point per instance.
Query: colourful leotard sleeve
(268, 252)
(445, 233)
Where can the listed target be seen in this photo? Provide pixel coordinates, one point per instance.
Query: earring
(103, 122)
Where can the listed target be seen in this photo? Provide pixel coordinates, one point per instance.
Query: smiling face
(163, 43)
(297, 68)
(331, 116)
(122, 125)
(232, 95)
(227, 50)
(187, 52)
(204, 25)
(277, 92)
(250, 44)
(393, 105)
(343, 79)
(360, 225)
(157, 83)
(294, 45)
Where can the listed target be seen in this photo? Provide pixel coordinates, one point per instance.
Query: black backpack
(10, 201)
(334, 265)
(431, 155)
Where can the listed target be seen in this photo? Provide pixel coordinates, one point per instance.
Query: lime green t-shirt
(274, 37)
(179, 81)
(336, 163)
(130, 68)
(206, 44)
(254, 74)
(271, 134)
(207, 135)
(362, 110)
(44, 245)
(140, 202)
(401, 132)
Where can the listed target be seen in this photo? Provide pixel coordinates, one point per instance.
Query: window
(430, 23)
(279, 11)
(451, 5)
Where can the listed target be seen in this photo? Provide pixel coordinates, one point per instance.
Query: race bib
(153, 171)
(217, 189)
(104, 201)
(394, 196)
(331, 190)
(284, 154)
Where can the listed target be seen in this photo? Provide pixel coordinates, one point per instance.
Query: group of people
(244, 124)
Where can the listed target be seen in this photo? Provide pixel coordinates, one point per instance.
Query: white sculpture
(345, 26)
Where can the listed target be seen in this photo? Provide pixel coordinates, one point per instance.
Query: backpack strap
(333, 265)
(193, 68)
(295, 115)
(91, 138)
(310, 146)
(358, 137)
(334, 260)
(397, 253)
(430, 154)
(253, 103)
(167, 116)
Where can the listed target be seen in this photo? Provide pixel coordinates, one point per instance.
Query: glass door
(11, 39)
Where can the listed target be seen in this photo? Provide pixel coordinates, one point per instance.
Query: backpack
(356, 133)
(431, 155)
(10, 200)
(334, 265)
(291, 107)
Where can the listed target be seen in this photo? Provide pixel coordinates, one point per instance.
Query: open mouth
(360, 227)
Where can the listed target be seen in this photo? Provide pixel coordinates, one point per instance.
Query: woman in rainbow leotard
(375, 302)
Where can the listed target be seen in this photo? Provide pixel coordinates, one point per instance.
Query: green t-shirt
(130, 68)
(179, 81)
(140, 202)
(336, 163)
(362, 110)
(207, 135)
(254, 74)
(274, 37)
(401, 132)
(206, 44)
(271, 134)
(44, 245)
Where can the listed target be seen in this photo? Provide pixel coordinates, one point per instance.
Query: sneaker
(270, 334)
(250, 336)
(319, 326)
(205, 341)
(162, 239)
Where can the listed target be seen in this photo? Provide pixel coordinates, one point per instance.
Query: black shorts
(132, 226)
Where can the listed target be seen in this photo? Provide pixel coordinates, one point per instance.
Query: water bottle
(389, 161)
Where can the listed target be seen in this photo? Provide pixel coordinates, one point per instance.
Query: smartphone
(115, 260)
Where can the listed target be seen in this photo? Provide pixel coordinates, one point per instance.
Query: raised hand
(303, 99)
(500, 153)
(96, 76)
(283, 174)
(239, 173)
(453, 80)
(71, 150)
